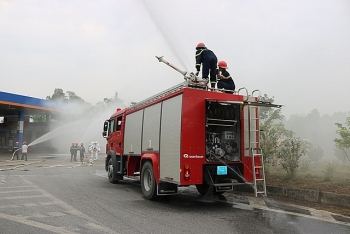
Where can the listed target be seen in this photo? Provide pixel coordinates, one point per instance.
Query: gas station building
(16, 124)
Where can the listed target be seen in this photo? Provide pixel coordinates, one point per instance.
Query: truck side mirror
(105, 129)
(105, 126)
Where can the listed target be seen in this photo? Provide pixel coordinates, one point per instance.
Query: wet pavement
(37, 161)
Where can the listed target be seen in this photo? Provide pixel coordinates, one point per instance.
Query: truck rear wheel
(148, 183)
(202, 188)
(111, 176)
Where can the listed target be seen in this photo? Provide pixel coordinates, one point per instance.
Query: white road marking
(22, 197)
(18, 191)
(69, 209)
(3, 179)
(65, 208)
(32, 223)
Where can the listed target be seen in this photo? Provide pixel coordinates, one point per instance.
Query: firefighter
(24, 151)
(72, 151)
(15, 151)
(225, 81)
(75, 151)
(209, 61)
(82, 152)
(94, 148)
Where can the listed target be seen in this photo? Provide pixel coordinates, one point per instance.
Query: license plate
(221, 170)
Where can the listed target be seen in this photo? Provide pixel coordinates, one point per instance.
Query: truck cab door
(119, 135)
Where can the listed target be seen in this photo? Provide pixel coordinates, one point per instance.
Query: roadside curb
(327, 198)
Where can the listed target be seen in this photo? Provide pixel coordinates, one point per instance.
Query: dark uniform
(72, 152)
(209, 61)
(226, 81)
(82, 152)
(75, 151)
(15, 151)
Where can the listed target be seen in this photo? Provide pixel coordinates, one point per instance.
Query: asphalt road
(48, 194)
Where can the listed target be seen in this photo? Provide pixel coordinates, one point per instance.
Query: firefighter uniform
(71, 152)
(82, 152)
(75, 151)
(209, 61)
(226, 81)
(15, 151)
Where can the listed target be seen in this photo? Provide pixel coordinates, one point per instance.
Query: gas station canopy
(12, 104)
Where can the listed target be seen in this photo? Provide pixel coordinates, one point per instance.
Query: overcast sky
(296, 51)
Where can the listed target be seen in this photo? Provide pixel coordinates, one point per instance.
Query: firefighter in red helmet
(208, 60)
(225, 80)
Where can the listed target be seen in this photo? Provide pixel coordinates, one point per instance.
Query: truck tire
(202, 188)
(148, 183)
(111, 176)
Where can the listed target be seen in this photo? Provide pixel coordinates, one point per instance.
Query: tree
(58, 95)
(341, 155)
(343, 142)
(290, 151)
(69, 96)
(74, 106)
(72, 97)
(315, 153)
(271, 129)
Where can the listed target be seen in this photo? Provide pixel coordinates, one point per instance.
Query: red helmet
(24, 142)
(81, 143)
(222, 64)
(200, 45)
(17, 142)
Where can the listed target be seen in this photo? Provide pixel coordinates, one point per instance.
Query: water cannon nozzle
(159, 58)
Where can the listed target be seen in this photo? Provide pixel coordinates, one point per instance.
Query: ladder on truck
(159, 95)
(255, 149)
(164, 93)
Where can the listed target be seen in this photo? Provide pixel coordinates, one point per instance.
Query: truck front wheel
(148, 183)
(111, 176)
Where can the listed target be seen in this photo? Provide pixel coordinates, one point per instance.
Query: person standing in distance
(225, 80)
(82, 152)
(71, 149)
(75, 151)
(15, 151)
(24, 151)
(208, 60)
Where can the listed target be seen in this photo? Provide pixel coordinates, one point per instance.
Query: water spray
(13, 155)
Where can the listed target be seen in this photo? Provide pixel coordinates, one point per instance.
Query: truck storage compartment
(222, 131)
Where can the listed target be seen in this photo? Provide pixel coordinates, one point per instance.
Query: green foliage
(315, 153)
(290, 150)
(341, 154)
(38, 118)
(343, 142)
(73, 106)
(329, 171)
(271, 129)
(60, 96)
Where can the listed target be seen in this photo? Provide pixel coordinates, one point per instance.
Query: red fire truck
(187, 135)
